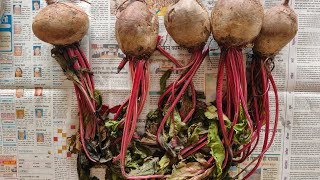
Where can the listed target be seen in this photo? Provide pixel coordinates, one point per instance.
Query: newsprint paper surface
(38, 111)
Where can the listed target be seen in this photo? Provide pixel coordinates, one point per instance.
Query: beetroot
(279, 27)
(137, 35)
(188, 23)
(64, 25)
(60, 24)
(234, 25)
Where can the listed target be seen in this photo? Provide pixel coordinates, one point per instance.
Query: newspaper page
(300, 150)
(38, 110)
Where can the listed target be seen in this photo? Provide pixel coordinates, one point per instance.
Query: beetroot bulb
(64, 25)
(279, 27)
(137, 35)
(234, 25)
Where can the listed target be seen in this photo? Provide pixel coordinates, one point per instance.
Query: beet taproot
(279, 26)
(188, 23)
(137, 30)
(236, 23)
(60, 24)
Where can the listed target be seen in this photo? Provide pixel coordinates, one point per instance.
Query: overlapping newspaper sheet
(38, 111)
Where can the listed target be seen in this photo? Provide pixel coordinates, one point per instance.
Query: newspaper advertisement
(38, 109)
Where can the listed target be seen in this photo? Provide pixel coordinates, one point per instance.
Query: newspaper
(38, 110)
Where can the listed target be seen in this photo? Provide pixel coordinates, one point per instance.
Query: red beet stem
(236, 96)
(245, 109)
(264, 150)
(253, 139)
(81, 124)
(243, 99)
(185, 150)
(90, 90)
(132, 68)
(76, 66)
(258, 118)
(254, 92)
(192, 72)
(255, 111)
(265, 102)
(194, 150)
(122, 64)
(116, 116)
(266, 106)
(181, 80)
(172, 88)
(144, 92)
(84, 66)
(210, 160)
(172, 59)
(242, 70)
(223, 128)
(219, 99)
(81, 75)
(145, 87)
(235, 84)
(128, 120)
(131, 118)
(229, 102)
(87, 64)
(169, 88)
